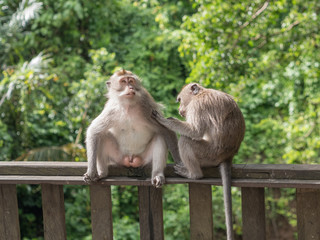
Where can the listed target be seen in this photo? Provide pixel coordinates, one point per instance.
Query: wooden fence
(252, 179)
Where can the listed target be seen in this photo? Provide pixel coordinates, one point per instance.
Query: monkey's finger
(180, 170)
(154, 113)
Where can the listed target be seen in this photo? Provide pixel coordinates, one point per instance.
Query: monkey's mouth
(131, 94)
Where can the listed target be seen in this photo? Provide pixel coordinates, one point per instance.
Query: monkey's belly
(132, 141)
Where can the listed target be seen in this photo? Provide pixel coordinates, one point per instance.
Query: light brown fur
(210, 136)
(125, 134)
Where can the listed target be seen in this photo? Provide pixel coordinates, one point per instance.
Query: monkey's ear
(195, 89)
(108, 83)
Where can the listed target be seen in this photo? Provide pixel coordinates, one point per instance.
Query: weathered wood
(201, 220)
(53, 212)
(132, 181)
(239, 171)
(253, 214)
(150, 213)
(308, 214)
(101, 212)
(9, 216)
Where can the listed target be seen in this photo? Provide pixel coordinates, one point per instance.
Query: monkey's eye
(131, 80)
(123, 80)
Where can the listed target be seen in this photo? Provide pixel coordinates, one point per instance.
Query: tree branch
(257, 13)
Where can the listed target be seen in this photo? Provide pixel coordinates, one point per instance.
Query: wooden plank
(9, 216)
(253, 214)
(101, 212)
(308, 214)
(53, 212)
(150, 213)
(239, 171)
(201, 220)
(132, 181)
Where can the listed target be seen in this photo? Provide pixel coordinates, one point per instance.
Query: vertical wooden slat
(308, 214)
(253, 214)
(53, 212)
(9, 215)
(101, 212)
(151, 213)
(201, 220)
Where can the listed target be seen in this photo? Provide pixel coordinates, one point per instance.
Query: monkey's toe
(158, 181)
(89, 179)
(181, 170)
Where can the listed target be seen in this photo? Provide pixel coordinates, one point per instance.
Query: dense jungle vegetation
(56, 55)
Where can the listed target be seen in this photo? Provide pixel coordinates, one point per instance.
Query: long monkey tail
(225, 172)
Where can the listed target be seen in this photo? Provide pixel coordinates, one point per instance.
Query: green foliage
(176, 212)
(264, 54)
(56, 55)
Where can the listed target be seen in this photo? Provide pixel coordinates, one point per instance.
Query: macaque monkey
(125, 133)
(210, 136)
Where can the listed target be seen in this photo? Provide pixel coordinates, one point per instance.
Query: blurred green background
(56, 55)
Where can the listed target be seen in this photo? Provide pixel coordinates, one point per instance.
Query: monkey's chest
(132, 138)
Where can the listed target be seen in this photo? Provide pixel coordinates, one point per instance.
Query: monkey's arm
(94, 133)
(183, 128)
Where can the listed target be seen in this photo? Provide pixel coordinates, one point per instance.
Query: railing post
(253, 214)
(53, 212)
(308, 213)
(150, 213)
(101, 212)
(201, 220)
(9, 216)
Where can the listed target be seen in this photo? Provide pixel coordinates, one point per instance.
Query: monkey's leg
(191, 168)
(109, 152)
(172, 143)
(157, 152)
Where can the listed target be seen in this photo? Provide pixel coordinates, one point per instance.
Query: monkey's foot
(158, 181)
(88, 179)
(181, 170)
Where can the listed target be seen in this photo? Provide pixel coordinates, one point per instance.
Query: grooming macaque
(125, 133)
(210, 136)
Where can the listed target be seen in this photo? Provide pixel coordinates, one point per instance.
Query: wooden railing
(252, 179)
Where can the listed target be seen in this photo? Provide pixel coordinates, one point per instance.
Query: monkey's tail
(225, 172)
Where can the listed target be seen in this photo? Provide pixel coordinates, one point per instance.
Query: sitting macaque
(125, 133)
(210, 136)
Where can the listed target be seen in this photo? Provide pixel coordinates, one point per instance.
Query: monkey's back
(223, 120)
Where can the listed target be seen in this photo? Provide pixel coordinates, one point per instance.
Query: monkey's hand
(159, 118)
(158, 181)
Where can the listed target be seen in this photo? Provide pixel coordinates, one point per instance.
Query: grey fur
(104, 147)
(210, 136)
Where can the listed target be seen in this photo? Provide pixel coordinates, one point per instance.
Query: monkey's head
(124, 85)
(187, 94)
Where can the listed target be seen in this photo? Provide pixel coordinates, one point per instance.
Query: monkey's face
(186, 95)
(125, 86)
